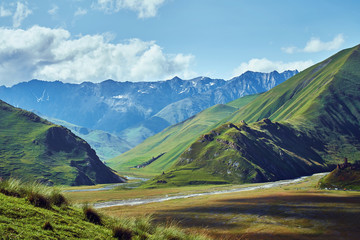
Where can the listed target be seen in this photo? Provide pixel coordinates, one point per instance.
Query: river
(131, 202)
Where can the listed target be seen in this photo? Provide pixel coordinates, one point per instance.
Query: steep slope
(32, 148)
(299, 127)
(134, 110)
(173, 140)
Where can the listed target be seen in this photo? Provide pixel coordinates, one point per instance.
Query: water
(132, 202)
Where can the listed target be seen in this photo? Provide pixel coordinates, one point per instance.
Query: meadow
(295, 211)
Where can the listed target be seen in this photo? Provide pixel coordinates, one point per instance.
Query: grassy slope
(173, 140)
(27, 153)
(319, 107)
(342, 179)
(22, 218)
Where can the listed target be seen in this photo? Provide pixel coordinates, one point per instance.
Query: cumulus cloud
(4, 12)
(80, 12)
(144, 8)
(22, 12)
(53, 10)
(265, 65)
(316, 45)
(53, 54)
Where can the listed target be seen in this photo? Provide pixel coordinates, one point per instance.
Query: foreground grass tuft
(48, 226)
(122, 233)
(92, 215)
(36, 193)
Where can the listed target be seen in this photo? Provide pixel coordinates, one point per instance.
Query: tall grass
(37, 193)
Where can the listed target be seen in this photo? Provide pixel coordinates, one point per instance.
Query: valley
(297, 210)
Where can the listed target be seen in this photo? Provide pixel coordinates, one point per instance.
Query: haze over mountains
(131, 111)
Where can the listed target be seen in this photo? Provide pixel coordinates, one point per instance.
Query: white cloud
(53, 54)
(4, 12)
(80, 12)
(265, 65)
(316, 45)
(53, 10)
(144, 8)
(22, 11)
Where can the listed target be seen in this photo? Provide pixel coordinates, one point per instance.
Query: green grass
(20, 219)
(173, 141)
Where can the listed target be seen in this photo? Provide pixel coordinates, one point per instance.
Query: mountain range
(129, 112)
(302, 126)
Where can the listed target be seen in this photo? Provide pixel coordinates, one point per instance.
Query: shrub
(122, 233)
(92, 215)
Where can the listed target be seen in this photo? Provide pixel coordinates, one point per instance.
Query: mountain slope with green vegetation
(173, 141)
(299, 127)
(32, 148)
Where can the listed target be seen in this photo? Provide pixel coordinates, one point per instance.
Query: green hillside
(32, 148)
(173, 141)
(302, 126)
(28, 211)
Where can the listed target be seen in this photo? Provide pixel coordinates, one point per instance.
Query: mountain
(134, 110)
(174, 140)
(32, 148)
(106, 145)
(299, 127)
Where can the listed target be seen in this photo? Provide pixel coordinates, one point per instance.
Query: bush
(122, 233)
(92, 215)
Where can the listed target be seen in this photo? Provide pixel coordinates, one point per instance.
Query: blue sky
(148, 40)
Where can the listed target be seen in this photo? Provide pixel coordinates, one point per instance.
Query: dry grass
(298, 211)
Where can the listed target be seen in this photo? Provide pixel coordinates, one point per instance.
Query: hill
(32, 148)
(345, 176)
(172, 141)
(105, 144)
(299, 127)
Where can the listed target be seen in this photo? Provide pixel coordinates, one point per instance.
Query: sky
(151, 40)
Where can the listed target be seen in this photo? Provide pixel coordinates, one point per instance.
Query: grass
(297, 211)
(19, 219)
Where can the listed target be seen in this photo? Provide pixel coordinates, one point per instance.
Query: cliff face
(32, 148)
